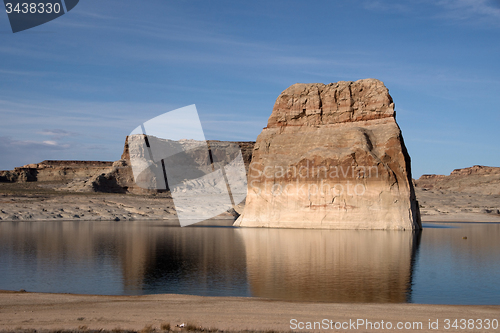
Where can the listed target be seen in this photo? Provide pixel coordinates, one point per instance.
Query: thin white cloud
(15, 153)
(388, 6)
(470, 9)
(475, 12)
(9, 143)
(57, 134)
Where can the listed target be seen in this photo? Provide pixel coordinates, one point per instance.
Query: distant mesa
(93, 176)
(477, 179)
(332, 156)
(54, 170)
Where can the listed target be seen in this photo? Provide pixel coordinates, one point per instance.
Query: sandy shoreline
(31, 202)
(120, 207)
(38, 201)
(66, 311)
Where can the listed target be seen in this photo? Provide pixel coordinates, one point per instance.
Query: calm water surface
(132, 258)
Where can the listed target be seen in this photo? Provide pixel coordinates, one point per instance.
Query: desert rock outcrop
(478, 179)
(332, 156)
(47, 171)
(93, 176)
(468, 194)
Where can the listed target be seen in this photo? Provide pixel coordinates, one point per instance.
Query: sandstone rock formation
(52, 170)
(332, 156)
(466, 195)
(94, 176)
(122, 169)
(477, 180)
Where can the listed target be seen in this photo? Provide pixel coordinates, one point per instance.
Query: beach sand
(21, 310)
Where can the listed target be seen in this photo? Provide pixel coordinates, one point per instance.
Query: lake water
(436, 265)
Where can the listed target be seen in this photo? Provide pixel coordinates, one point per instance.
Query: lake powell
(446, 263)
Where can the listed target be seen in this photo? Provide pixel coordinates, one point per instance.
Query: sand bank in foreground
(64, 311)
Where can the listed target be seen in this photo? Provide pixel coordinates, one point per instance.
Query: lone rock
(332, 156)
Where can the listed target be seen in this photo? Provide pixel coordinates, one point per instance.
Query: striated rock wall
(477, 179)
(55, 171)
(122, 169)
(332, 156)
(93, 176)
(20, 175)
(341, 102)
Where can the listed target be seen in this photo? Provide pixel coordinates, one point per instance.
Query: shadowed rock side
(332, 156)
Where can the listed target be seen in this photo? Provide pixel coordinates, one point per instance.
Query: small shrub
(147, 329)
(192, 327)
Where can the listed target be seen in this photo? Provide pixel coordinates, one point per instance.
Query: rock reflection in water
(330, 265)
(121, 258)
(201, 261)
(134, 258)
(454, 264)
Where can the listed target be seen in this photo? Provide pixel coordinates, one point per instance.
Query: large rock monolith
(332, 156)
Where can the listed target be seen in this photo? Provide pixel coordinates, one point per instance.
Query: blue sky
(75, 87)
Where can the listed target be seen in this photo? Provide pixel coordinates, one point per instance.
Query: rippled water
(436, 265)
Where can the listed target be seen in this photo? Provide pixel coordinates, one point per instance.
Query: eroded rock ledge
(92, 176)
(332, 156)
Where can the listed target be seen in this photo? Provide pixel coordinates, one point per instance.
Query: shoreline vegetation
(30, 312)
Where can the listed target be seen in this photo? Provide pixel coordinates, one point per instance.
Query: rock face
(478, 179)
(332, 156)
(94, 176)
(123, 168)
(54, 171)
(466, 195)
